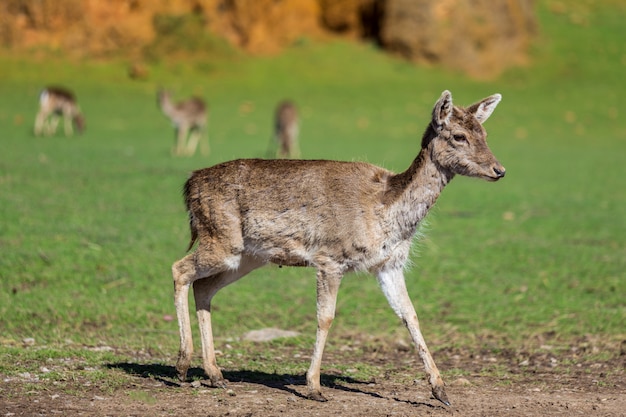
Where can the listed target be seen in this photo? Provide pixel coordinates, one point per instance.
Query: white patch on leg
(393, 286)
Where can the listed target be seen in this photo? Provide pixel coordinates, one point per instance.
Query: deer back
(192, 111)
(289, 211)
(58, 99)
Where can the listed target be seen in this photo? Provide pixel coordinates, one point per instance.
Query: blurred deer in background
(189, 118)
(56, 103)
(286, 130)
(334, 216)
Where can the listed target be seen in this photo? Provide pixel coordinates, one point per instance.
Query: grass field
(90, 225)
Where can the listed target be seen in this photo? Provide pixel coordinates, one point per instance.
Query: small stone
(402, 345)
(461, 382)
(265, 335)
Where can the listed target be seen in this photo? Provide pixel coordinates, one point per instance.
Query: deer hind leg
(192, 144)
(205, 145)
(192, 267)
(203, 291)
(394, 287)
(284, 148)
(327, 289)
(293, 138)
(295, 153)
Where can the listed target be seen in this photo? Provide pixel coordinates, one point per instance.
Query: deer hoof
(222, 383)
(182, 374)
(317, 396)
(440, 394)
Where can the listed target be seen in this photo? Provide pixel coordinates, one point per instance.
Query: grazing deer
(54, 103)
(189, 118)
(286, 129)
(334, 216)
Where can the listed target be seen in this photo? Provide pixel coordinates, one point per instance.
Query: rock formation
(480, 37)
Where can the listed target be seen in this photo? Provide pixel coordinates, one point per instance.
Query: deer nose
(500, 171)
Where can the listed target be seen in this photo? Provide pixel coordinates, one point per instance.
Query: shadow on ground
(284, 382)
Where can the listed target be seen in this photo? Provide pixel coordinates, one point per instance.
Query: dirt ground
(503, 385)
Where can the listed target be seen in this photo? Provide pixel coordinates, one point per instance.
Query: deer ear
(443, 109)
(483, 109)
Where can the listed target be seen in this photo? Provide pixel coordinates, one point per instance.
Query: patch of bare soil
(541, 385)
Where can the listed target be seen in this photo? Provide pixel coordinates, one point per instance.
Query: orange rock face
(478, 36)
(481, 37)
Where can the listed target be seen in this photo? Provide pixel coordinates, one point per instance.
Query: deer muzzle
(499, 171)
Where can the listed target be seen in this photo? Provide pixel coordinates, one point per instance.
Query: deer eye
(459, 137)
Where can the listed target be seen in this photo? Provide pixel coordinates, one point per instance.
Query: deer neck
(167, 107)
(412, 193)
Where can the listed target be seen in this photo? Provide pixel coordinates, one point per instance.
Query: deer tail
(192, 221)
(194, 234)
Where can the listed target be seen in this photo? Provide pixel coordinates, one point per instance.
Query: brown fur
(286, 130)
(334, 216)
(189, 118)
(56, 103)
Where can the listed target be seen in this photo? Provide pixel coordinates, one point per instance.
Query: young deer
(54, 103)
(189, 118)
(334, 216)
(286, 129)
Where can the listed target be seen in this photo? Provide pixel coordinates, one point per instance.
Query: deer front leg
(394, 287)
(327, 289)
(182, 131)
(192, 144)
(67, 124)
(40, 122)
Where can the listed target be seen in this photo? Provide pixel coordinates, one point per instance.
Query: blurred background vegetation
(476, 36)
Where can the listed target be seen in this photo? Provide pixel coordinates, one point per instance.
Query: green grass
(90, 225)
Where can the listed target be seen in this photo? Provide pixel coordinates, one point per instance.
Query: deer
(56, 103)
(286, 130)
(334, 216)
(189, 118)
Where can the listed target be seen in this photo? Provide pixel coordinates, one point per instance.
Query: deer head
(457, 140)
(79, 122)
